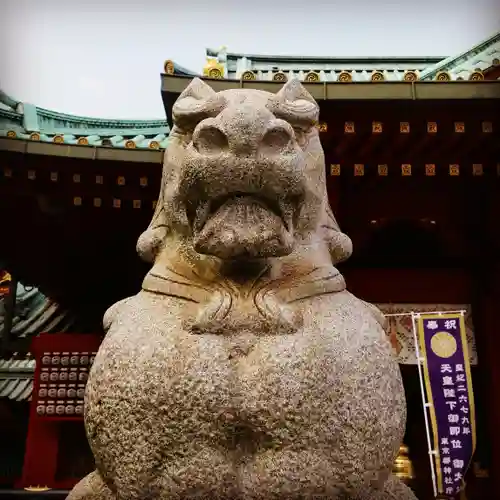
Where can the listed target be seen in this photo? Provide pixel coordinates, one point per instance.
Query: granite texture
(244, 369)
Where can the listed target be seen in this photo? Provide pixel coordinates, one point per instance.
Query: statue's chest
(264, 386)
(218, 372)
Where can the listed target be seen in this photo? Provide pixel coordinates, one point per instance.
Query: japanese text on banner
(449, 391)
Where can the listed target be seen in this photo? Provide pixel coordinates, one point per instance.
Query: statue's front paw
(91, 487)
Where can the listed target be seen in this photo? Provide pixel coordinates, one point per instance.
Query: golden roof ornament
(377, 76)
(213, 68)
(168, 67)
(248, 75)
(410, 76)
(443, 76)
(477, 75)
(345, 76)
(312, 76)
(280, 76)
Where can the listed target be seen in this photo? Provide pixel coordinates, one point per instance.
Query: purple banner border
(443, 346)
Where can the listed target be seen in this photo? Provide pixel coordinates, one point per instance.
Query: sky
(103, 58)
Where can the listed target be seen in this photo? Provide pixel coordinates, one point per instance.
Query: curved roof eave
(101, 122)
(325, 59)
(23, 120)
(453, 63)
(182, 71)
(9, 104)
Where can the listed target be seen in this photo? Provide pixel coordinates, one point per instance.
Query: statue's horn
(196, 100)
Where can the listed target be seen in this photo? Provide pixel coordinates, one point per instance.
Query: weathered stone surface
(244, 369)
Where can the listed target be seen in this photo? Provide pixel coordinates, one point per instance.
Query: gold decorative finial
(377, 76)
(477, 75)
(410, 76)
(213, 68)
(280, 76)
(312, 76)
(443, 76)
(168, 66)
(345, 76)
(248, 75)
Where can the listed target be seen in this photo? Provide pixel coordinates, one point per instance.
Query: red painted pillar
(40, 459)
(62, 365)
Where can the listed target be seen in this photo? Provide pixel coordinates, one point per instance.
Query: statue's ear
(339, 244)
(196, 101)
(294, 91)
(294, 103)
(197, 90)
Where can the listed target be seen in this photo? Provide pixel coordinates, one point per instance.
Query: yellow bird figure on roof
(213, 68)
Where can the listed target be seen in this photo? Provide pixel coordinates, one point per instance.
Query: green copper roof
(29, 122)
(25, 121)
(329, 59)
(16, 378)
(464, 66)
(265, 67)
(480, 57)
(21, 120)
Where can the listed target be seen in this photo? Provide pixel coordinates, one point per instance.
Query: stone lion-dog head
(244, 177)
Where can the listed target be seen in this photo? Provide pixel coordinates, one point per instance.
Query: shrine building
(412, 148)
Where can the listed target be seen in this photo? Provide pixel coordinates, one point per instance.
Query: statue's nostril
(276, 139)
(210, 140)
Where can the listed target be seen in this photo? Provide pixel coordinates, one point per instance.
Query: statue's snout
(244, 132)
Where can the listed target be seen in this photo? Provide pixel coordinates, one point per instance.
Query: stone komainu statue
(243, 369)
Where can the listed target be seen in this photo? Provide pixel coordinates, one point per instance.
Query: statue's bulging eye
(209, 140)
(301, 135)
(187, 124)
(276, 138)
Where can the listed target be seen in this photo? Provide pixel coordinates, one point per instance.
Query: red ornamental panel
(61, 383)
(63, 363)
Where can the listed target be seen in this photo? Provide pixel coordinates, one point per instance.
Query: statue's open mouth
(242, 225)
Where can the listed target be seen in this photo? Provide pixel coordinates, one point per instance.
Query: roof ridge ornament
(280, 76)
(477, 75)
(345, 76)
(443, 76)
(377, 76)
(410, 75)
(248, 75)
(312, 76)
(169, 67)
(213, 68)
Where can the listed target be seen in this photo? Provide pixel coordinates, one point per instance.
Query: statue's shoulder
(134, 308)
